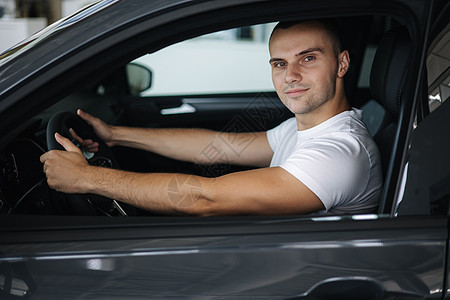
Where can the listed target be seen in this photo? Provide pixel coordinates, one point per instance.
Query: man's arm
(199, 146)
(266, 191)
(193, 145)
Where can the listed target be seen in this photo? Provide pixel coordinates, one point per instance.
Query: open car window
(220, 81)
(229, 61)
(438, 68)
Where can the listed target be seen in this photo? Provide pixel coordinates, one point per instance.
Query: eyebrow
(309, 50)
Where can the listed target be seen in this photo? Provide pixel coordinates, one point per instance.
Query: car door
(359, 257)
(400, 255)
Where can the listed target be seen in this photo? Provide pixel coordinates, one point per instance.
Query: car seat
(388, 86)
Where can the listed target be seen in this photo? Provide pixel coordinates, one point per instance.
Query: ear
(344, 63)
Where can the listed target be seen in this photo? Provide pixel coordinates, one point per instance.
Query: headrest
(389, 69)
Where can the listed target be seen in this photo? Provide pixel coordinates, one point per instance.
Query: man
(323, 160)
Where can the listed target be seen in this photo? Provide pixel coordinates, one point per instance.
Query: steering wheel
(84, 204)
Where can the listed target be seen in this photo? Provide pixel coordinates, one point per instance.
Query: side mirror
(139, 78)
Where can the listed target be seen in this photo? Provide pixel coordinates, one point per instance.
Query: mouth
(296, 92)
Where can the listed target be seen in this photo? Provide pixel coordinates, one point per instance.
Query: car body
(47, 251)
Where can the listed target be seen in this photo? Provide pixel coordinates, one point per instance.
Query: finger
(84, 143)
(44, 157)
(92, 148)
(85, 116)
(76, 136)
(44, 168)
(66, 143)
(88, 145)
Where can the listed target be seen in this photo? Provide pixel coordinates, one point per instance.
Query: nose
(292, 74)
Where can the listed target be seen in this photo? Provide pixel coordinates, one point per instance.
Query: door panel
(229, 257)
(254, 112)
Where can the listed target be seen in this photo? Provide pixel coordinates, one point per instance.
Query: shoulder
(289, 124)
(343, 149)
(336, 168)
(282, 131)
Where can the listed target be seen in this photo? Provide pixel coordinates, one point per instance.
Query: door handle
(184, 108)
(17, 281)
(352, 288)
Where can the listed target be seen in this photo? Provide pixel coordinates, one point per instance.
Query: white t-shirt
(337, 160)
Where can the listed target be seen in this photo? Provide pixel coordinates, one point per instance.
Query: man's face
(304, 66)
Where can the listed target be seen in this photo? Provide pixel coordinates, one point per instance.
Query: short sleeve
(273, 138)
(336, 168)
(275, 134)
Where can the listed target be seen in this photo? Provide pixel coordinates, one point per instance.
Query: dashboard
(23, 185)
(22, 180)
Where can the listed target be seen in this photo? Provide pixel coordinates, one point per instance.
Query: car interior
(115, 97)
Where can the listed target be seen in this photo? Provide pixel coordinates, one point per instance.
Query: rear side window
(438, 68)
(230, 61)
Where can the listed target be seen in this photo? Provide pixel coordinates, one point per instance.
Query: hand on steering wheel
(87, 145)
(101, 129)
(71, 126)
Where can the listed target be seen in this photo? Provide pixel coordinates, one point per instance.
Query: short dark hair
(331, 27)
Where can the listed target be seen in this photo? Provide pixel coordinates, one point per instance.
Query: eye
(279, 64)
(309, 58)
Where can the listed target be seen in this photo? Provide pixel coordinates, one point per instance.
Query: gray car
(58, 246)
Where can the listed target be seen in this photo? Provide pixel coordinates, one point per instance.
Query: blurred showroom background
(20, 19)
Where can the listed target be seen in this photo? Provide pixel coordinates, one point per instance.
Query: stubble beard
(307, 103)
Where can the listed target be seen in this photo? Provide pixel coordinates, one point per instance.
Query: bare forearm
(181, 144)
(252, 192)
(260, 191)
(198, 145)
(163, 193)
